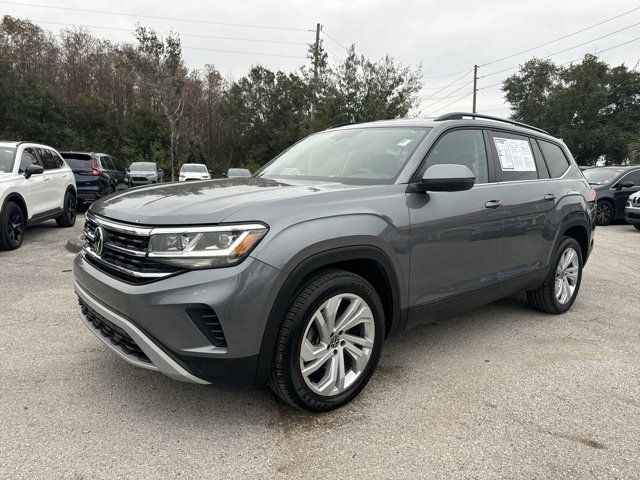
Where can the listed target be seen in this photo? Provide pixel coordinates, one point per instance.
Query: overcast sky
(446, 37)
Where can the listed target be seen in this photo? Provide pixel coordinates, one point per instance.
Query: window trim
(491, 178)
(545, 159)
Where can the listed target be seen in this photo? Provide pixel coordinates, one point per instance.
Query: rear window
(555, 158)
(77, 161)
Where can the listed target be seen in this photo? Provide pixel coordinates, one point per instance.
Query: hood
(205, 202)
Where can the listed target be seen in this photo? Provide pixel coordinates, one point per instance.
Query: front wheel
(12, 225)
(560, 288)
(68, 217)
(604, 213)
(329, 342)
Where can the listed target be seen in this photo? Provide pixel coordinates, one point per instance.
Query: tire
(545, 298)
(12, 226)
(68, 217)
(636, 226)
(112, 189)
(346, 292)
(604, 213)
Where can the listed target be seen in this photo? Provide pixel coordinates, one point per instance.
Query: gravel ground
(500, 392)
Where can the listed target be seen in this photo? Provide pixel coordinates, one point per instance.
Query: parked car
(613, 186)
(194, 171)
(35, 185)
(237, 172)
(144, 173)
(632, 210)
(96, 174)
(297, 275)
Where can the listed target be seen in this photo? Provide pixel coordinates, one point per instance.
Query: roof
(5, 143)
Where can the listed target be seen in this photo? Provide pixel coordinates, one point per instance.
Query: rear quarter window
(556, 160)
(514, 156)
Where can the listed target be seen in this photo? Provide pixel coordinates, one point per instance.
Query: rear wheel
(12, 226)
(560, 288)
(604, 213)
(329, 342)
(68, 217)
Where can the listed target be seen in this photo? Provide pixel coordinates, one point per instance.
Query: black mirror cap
(628, 184)
(33, 170)
(447, 178)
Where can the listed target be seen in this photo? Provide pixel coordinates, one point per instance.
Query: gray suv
(296, 275)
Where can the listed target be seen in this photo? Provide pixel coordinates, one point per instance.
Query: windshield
(194, 167)
(601, 176)
(142, 167)
(238, 172)
(7, 155)
(365, 155)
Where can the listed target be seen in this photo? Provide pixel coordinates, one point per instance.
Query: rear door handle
(549, 196)
(493, 204)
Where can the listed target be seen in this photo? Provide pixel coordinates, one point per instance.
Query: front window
(194, 167)
(7, 155)
(362, 155)
(143, 167)
(601, 176)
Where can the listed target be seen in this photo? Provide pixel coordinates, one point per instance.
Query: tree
(593, 107)
(158, 68)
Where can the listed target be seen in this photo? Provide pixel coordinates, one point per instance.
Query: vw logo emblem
(98, 241)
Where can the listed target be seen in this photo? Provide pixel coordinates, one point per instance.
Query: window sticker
(515, 155)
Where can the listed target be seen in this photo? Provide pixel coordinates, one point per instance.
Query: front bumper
(155, 316)
(147, 181)
(632, 214)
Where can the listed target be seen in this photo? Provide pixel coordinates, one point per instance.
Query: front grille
(207, 321)
(140, 179)
(123, 252)
(113, 333)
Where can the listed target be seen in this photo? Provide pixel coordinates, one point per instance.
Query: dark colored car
(96, 174)
(632, 210)
(613, 186)
(144, 173)
(297, 275)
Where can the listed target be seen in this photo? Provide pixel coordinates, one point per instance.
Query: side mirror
(33, 170)
(447, 178)
(627, 184)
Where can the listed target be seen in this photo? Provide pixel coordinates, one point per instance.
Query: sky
(447, 38)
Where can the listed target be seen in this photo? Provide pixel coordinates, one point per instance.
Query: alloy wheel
(603, 213)
(15, 227)
(567, 275)
(337, 344)
(71, 208)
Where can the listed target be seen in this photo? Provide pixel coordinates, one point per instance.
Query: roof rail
(460, 115)
(338, 125)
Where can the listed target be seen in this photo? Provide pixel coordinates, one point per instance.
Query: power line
(448, 85)
(451, 94)
(243, 52)
(191, 20)
(216, 37)
(333, 40)
(449, 104)
(561, 38)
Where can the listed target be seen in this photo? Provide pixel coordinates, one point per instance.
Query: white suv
(35, 185)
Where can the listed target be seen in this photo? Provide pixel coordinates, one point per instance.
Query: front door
(456, 237)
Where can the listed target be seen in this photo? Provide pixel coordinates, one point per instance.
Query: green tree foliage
(593, 107)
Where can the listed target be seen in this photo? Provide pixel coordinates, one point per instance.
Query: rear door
(54, 177)
(529, 197)
(456, 237)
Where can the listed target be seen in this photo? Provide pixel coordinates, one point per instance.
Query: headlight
(205, 247)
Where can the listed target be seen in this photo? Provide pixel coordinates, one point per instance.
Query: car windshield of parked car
(601, 176)
(238, 172)
(143, 167)
(373, 155)
(7, 154)
(194, 167)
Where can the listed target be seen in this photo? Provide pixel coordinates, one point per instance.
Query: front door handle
(493, 204)
(549, 196)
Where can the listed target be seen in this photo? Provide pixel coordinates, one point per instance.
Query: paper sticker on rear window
(515, 155)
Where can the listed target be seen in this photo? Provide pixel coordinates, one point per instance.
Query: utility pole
(475, 86)
(316, 57)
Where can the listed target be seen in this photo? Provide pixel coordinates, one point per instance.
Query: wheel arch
(368, 261)
(17, 199)
(576, 227)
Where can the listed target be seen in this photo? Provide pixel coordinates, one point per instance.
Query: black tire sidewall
(6, 212)
(345, 284)
(566, 243)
